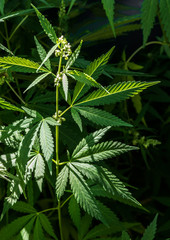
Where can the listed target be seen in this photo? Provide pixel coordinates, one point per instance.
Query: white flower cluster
(64, 48)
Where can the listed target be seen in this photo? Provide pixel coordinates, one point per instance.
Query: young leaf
(65, 85)
(117, 92)
(98, 63)
(76, 118)
(150, 231)
(18, 64)
(89, 141)
(14, 227)
(101, 117)
(38, 231)
(6, 105)
(47, 225)
(82, 192)
(47, 143)
(37, 80)
(102, 151)
(165, 15)
(74, 212)
(23, 207)
(47, 27)
(149, 10)
(62, 181)
(73, 57)
(42, 53)
(109, 9)
(39, 171)
(83, 77)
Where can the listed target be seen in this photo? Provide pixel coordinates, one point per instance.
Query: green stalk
(15, 92)
(7, 36)
(57, 149)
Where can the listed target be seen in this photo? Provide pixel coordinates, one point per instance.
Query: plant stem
(18, 27)
(7, 37)
(57, 148)
(15, 92)
(142, 47)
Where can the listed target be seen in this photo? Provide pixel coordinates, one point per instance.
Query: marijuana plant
(77, 175)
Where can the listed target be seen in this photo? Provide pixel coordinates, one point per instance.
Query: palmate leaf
(39, 171)
(98, 63)
(149, 10)
(10, 230)
(82, 193)
(18, 64)
(62, 181)
(76, 118)
(37, 80)
(102, 151)
(47, 225)
(117, 92)
(150, 231)
(165, 15)
(73, 57)
(101, 117)
(47, 143)
(6, 105)
(108, 6)
(42, 53)
(33, 113)
(89, 141)
(47, 27)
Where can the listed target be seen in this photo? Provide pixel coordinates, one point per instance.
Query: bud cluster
(58, 79)
(63, 49)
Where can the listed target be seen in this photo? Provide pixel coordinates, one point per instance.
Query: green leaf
(61, 182)
(33, 113)
(73, 57)
(74, 212)
(165, 15)
(42, 53)
(71, 5)
(83, 77)
(108, 6)
(102, 151)
(6, 105)
(4, 48)
(101, 117)
(117, 92)
(47, 143)
(125, 236)
(98, 63)
(47, 225)
(37, 80)
(14, 227)
(76, 118)
(89, 141)
(79, 90)
(150, 231)
(18, 64)
(25, 232)
(39, 171)
(82, 193)
(51, 121)
(51, 51)
(38, 231)
(149, 10)
(23, 207)
(2, 3)
(65, 85)
(85, 224)
(47, 27)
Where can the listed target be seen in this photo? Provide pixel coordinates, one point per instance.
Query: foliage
(56, 169)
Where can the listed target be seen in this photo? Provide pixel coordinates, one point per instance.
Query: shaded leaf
(150, 231)
(76, 118)
(6, 105)
(47, 225)
(108, 6)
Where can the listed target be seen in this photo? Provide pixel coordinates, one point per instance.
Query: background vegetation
(140, 32)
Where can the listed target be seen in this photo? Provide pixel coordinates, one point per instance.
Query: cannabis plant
(39, 148)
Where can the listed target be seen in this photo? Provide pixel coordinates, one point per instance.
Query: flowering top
(63, 49)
